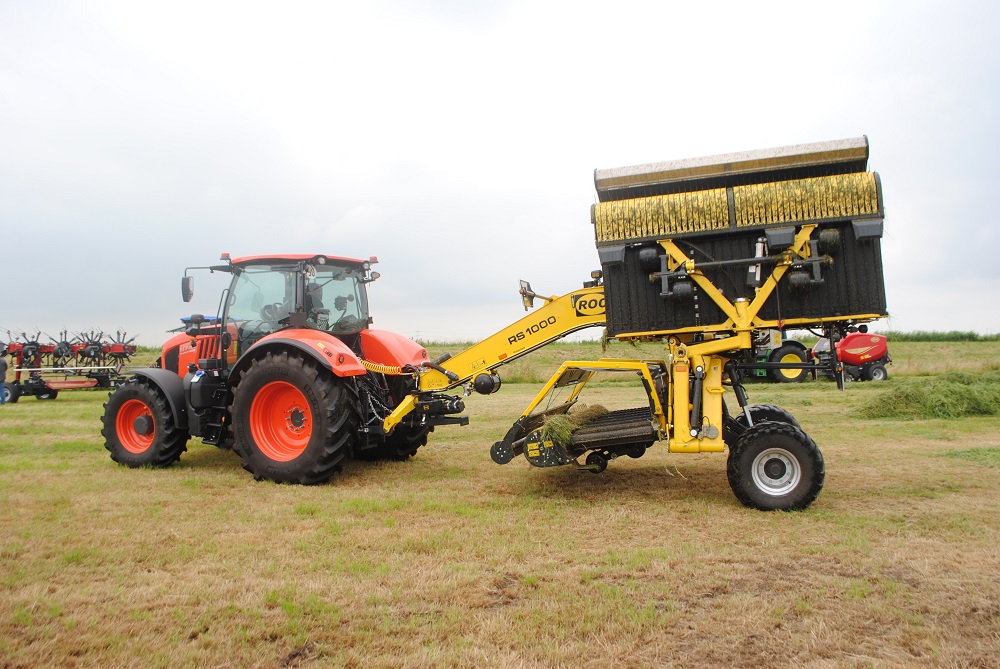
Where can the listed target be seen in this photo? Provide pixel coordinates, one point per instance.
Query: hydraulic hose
(388, 370)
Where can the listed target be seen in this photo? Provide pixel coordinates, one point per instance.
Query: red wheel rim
(131, 440)
(281, 421)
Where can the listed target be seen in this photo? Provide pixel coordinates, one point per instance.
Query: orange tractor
(290, 376)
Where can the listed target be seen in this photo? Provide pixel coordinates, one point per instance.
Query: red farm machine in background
(91, 359)
(863, 355)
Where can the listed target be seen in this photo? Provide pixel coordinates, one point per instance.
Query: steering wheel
(271, 312)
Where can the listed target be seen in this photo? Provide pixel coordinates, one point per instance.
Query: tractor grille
(208, 347)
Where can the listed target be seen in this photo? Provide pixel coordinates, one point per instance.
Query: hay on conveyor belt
(560, 428)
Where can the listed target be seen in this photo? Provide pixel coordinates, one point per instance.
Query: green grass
(933, 336)
(953, 395)
(451, 560)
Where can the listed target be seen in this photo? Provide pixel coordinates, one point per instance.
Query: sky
(457, 142)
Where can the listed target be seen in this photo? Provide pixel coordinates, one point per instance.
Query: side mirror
(527, 296)
(187, 288)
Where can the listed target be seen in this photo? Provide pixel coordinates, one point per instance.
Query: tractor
(290, 376)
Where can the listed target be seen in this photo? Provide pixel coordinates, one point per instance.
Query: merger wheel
(47, 395)
(789, 353)
(292, 422)
(139, 428)
(597, 462)
(736, 425)
(776, 466)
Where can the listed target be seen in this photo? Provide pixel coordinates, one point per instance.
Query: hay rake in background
(43, 368)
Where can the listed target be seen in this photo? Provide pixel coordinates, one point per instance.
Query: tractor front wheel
(139, 428)
(776, 466)
(292, 421)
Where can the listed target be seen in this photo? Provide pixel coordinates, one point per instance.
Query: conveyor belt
(617, 428)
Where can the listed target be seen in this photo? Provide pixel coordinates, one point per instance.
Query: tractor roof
(294, 257)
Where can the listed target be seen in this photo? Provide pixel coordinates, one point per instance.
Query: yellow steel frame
(742, 315)
(692, 350)
(699, 350)
(590, 368)
(559, 316)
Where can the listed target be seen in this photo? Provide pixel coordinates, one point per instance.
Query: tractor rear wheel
(292, 421)
(139, 428)
(775, 466)
(789, 353)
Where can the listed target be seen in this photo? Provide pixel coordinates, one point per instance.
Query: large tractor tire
(401, 445)
(788, 353)
(736, 425)
(139, 428)
(292, 421)
(776, 467)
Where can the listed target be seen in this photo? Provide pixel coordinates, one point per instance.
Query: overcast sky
(457, 141)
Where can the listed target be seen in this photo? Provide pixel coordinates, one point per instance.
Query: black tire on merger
(311, 445)
(775, 466)
(787, 353)
(139, 427)
(736, 425)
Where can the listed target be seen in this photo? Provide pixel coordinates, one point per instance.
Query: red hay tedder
(88, 360)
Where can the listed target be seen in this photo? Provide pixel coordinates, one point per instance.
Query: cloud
(457, 142)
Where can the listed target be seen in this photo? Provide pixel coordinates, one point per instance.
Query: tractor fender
(389, 348)
(324, 348)
(172, 387)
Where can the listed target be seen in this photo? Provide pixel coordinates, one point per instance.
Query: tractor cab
(270, 294)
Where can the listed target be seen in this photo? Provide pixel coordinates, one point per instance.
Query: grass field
(451, 560)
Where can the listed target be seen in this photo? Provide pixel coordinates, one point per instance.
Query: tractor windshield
(336, 299)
